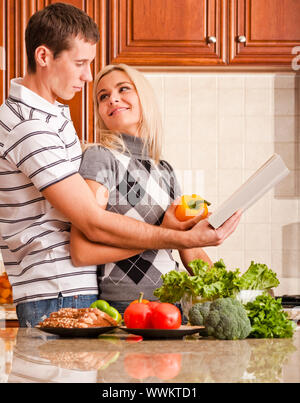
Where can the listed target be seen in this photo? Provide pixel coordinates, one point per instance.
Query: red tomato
(166, 316)
(137, 316)
(166, 366)
(153, 304)
(142, 301)
(138, 366)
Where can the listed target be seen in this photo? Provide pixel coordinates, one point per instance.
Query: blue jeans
(32, 313)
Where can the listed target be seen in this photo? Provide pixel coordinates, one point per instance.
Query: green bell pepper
(105, 307)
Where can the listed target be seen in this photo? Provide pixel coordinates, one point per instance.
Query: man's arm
(188, 255)
(85, 252)
(75, 200)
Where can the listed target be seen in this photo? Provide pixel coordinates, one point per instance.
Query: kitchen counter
(36, 356)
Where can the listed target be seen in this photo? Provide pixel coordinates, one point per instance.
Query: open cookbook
(266, 177)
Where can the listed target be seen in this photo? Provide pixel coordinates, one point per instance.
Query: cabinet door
(168, 32)
(14, 16)
(264, 31)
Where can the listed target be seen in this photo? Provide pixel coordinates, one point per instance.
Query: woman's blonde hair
(150, 126)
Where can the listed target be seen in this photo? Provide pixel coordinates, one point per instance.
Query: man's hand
(203, 234)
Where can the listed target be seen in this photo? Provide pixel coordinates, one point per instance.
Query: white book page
(266, 177)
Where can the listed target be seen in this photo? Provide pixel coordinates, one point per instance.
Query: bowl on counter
(245, 296)
(187, 301)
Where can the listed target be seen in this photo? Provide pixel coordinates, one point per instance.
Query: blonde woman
(126, 173)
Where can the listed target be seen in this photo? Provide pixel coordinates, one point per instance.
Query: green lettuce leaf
(207, 282)
(268, 320)
(258, 277)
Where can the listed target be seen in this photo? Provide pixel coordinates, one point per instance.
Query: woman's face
(118, 103)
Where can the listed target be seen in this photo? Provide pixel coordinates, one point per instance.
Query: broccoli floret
(199, 312)
(226, 319)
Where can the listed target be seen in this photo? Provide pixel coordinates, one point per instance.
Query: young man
(41, 191)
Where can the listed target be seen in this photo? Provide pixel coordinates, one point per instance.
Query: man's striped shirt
(38, 147)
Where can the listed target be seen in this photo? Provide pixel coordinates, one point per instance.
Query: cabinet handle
(241, 39)
(211, 39)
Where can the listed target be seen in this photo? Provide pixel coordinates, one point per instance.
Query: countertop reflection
(35, 356)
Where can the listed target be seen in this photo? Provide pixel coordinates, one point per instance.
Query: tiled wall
(219, 128)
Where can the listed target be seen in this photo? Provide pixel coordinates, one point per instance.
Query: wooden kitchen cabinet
(203, 32)
(263, 31)
(162, 33)
(168, 32)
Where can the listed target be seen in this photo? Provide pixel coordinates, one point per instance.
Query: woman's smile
(115, 111)
(118, 103)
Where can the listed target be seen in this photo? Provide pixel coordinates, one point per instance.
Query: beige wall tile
(235, 242)
(284, 102)
(212, 252)
(204, 155)
(259, 81)
(157, 83)
(224, 127)
(178, 154)
(284, 211)
(203, 129)
(231, 102)
(288, 188)
(204, 102)
(210, 184)
(256, 154)
(176, 130)
(231, 129)
(177, 96)
(288, 153)
(288, 286)
(285, 129)
(258, 129)
(230, 81)
(203, 81)
(260, 212)
(284, 80)
(258, 102)
(276, 236)
(229, 181)
(258, 237)
(230, 156)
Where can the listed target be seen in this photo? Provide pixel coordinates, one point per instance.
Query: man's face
(68, 73)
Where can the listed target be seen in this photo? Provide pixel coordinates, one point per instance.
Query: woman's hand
(170, 220)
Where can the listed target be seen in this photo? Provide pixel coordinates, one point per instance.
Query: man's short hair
(55, 26)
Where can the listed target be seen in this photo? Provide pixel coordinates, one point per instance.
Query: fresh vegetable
(190, 206)
(268, 320)
(207, 282)
(105, 307)
(162, 365)
(138, 315)
(214, 282)
(5, 290)
(224, 318)
(199, 312)
(165, 316)
(258, 277)
(152, 314)
(140, 299)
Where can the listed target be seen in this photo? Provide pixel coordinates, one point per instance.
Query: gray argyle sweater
(140, 189)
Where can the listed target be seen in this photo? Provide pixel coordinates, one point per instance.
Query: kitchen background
(221, 127)
(226, 77)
